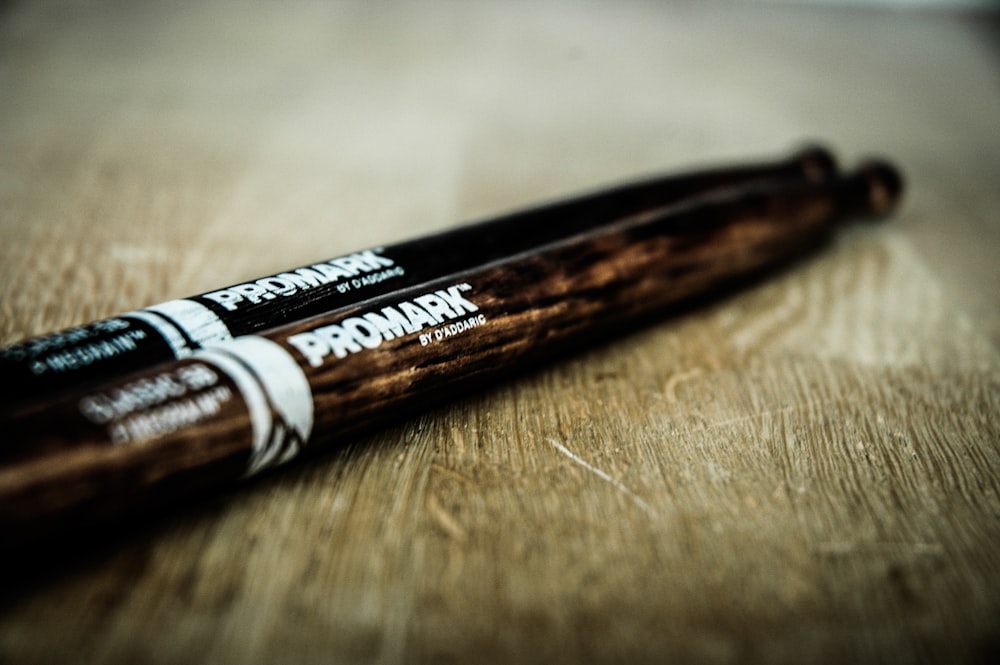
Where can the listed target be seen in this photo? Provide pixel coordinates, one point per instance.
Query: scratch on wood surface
(670, 388)
(605, 477)
(445, 520)
(768, 412)
(777, 318)
(848, 548)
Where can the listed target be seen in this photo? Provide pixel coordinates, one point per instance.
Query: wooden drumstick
(44, 366)
(230, 411)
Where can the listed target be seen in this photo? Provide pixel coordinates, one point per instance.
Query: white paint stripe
(200, 323)
(268, 376)
(169, 333)
(252, 392)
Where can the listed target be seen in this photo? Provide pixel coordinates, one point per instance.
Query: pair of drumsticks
(135, 412)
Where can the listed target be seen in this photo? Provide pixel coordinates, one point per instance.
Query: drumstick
(44, 366)
(206, 421)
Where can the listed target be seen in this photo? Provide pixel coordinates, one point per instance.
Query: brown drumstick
(233, 410)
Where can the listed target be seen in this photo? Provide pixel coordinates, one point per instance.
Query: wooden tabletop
(805, 471)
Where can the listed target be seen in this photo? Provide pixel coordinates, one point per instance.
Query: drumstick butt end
(816, 162)
(884, 185)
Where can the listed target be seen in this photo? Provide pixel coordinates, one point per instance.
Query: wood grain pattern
(817, 457)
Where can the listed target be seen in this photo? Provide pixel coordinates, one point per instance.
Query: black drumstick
(42, 367)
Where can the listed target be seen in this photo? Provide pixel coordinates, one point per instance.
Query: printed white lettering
(169, 417)
(436, 307)
(350, 265)
(313, 346)
(304, 278)
(277, 285)
(369, 330)
(33, 348)
(81, 356)
(226, 298)
(101, 408)
(331, 271)
(417, 315)
(391, 323)
(364, 332)
(361, 266)
(373, 259)
(254, 292)
(457, 302)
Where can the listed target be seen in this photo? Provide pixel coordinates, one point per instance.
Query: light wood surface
(807, 471)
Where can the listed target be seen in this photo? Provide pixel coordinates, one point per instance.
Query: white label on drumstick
(199, 323)
(185, 325)
(277, 395)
